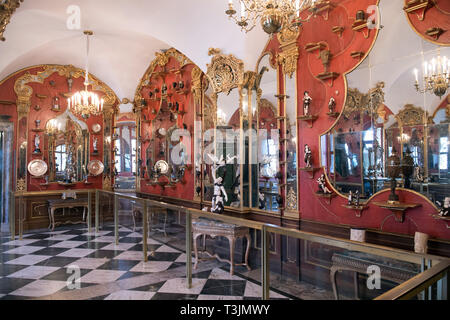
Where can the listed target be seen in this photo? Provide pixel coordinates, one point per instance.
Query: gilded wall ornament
(411, 115)
(25, 92)
(288, 55)
(7, 8)
(196, 86)
(162, 58)
(371, 102)
(21, 185)
(225, 72)
(291, 200)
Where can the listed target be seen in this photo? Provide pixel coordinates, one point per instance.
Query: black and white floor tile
(40, 265)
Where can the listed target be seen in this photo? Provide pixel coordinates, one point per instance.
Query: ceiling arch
(126, 36)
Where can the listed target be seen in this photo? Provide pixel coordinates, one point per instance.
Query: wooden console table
(358, 262)
(206, 227)
(65, 204)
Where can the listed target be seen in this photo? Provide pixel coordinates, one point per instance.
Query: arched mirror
(67, 139)
(268, 144)
(385, 115)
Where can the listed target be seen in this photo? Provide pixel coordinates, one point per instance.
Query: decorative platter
(95, 167)
(162, 131)
(162, 166)
(96, 128)
(37, 168)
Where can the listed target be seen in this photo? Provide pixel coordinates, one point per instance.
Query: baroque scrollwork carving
(411, 115)
(288, 56)
(21, 185)
(225, 72)
(7, 8)
(24, 92)
(291, 200)
(161, 60)
(196, 87)
(371, 102)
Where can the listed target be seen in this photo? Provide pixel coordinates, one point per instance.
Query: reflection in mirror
(385, 114)
(210, 118)
(125, 155)
(228, 146)
(268, 137)
(67, 139)
(291, 144)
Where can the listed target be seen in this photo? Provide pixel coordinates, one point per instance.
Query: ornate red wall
(53, 86)
(309, 66)
(173, 72)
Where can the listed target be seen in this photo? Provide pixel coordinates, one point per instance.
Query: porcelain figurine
(217, 204)
(262, 201)
(443, 212)
(350, 198)
(306, 103)
(356, 198)
(331, 105)
(322, 185)
(95, 145)
(308, 156)
(37, 141)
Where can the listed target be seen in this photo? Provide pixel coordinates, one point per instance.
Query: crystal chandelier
(273, 14)
(86, 103)
(436, 77)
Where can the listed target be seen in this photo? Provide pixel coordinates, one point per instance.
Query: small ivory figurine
(443, 212)
(331, 105)
(218, 205)
(95, 144)
(350, 198)
(37, 141)
(356, 198)
(322, 185)
(306, 103)
(308, 156)
(262, 201)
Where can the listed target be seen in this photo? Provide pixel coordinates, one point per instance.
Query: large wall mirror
(125, 154)
(384, 114)
(268, 144)
(67, 140)
(291, 144)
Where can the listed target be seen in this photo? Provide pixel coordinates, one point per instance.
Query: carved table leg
(247, 251)
(49, 218)
(231, 239)
(333, 272)
(53, 218)
(194, 239)
(355, 280)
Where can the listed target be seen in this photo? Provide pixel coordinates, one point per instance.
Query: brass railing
(436, 272)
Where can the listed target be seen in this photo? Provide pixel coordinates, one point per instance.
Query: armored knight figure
(306, 103)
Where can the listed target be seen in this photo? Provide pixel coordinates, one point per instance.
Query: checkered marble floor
(40, 266)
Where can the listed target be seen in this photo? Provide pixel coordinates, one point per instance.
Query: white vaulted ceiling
(127, 33)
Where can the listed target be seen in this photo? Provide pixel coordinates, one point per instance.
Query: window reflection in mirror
(268, 137)
(228, 145)
(125, 155)
(67, 139)
(384, 113)
(291, 144)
